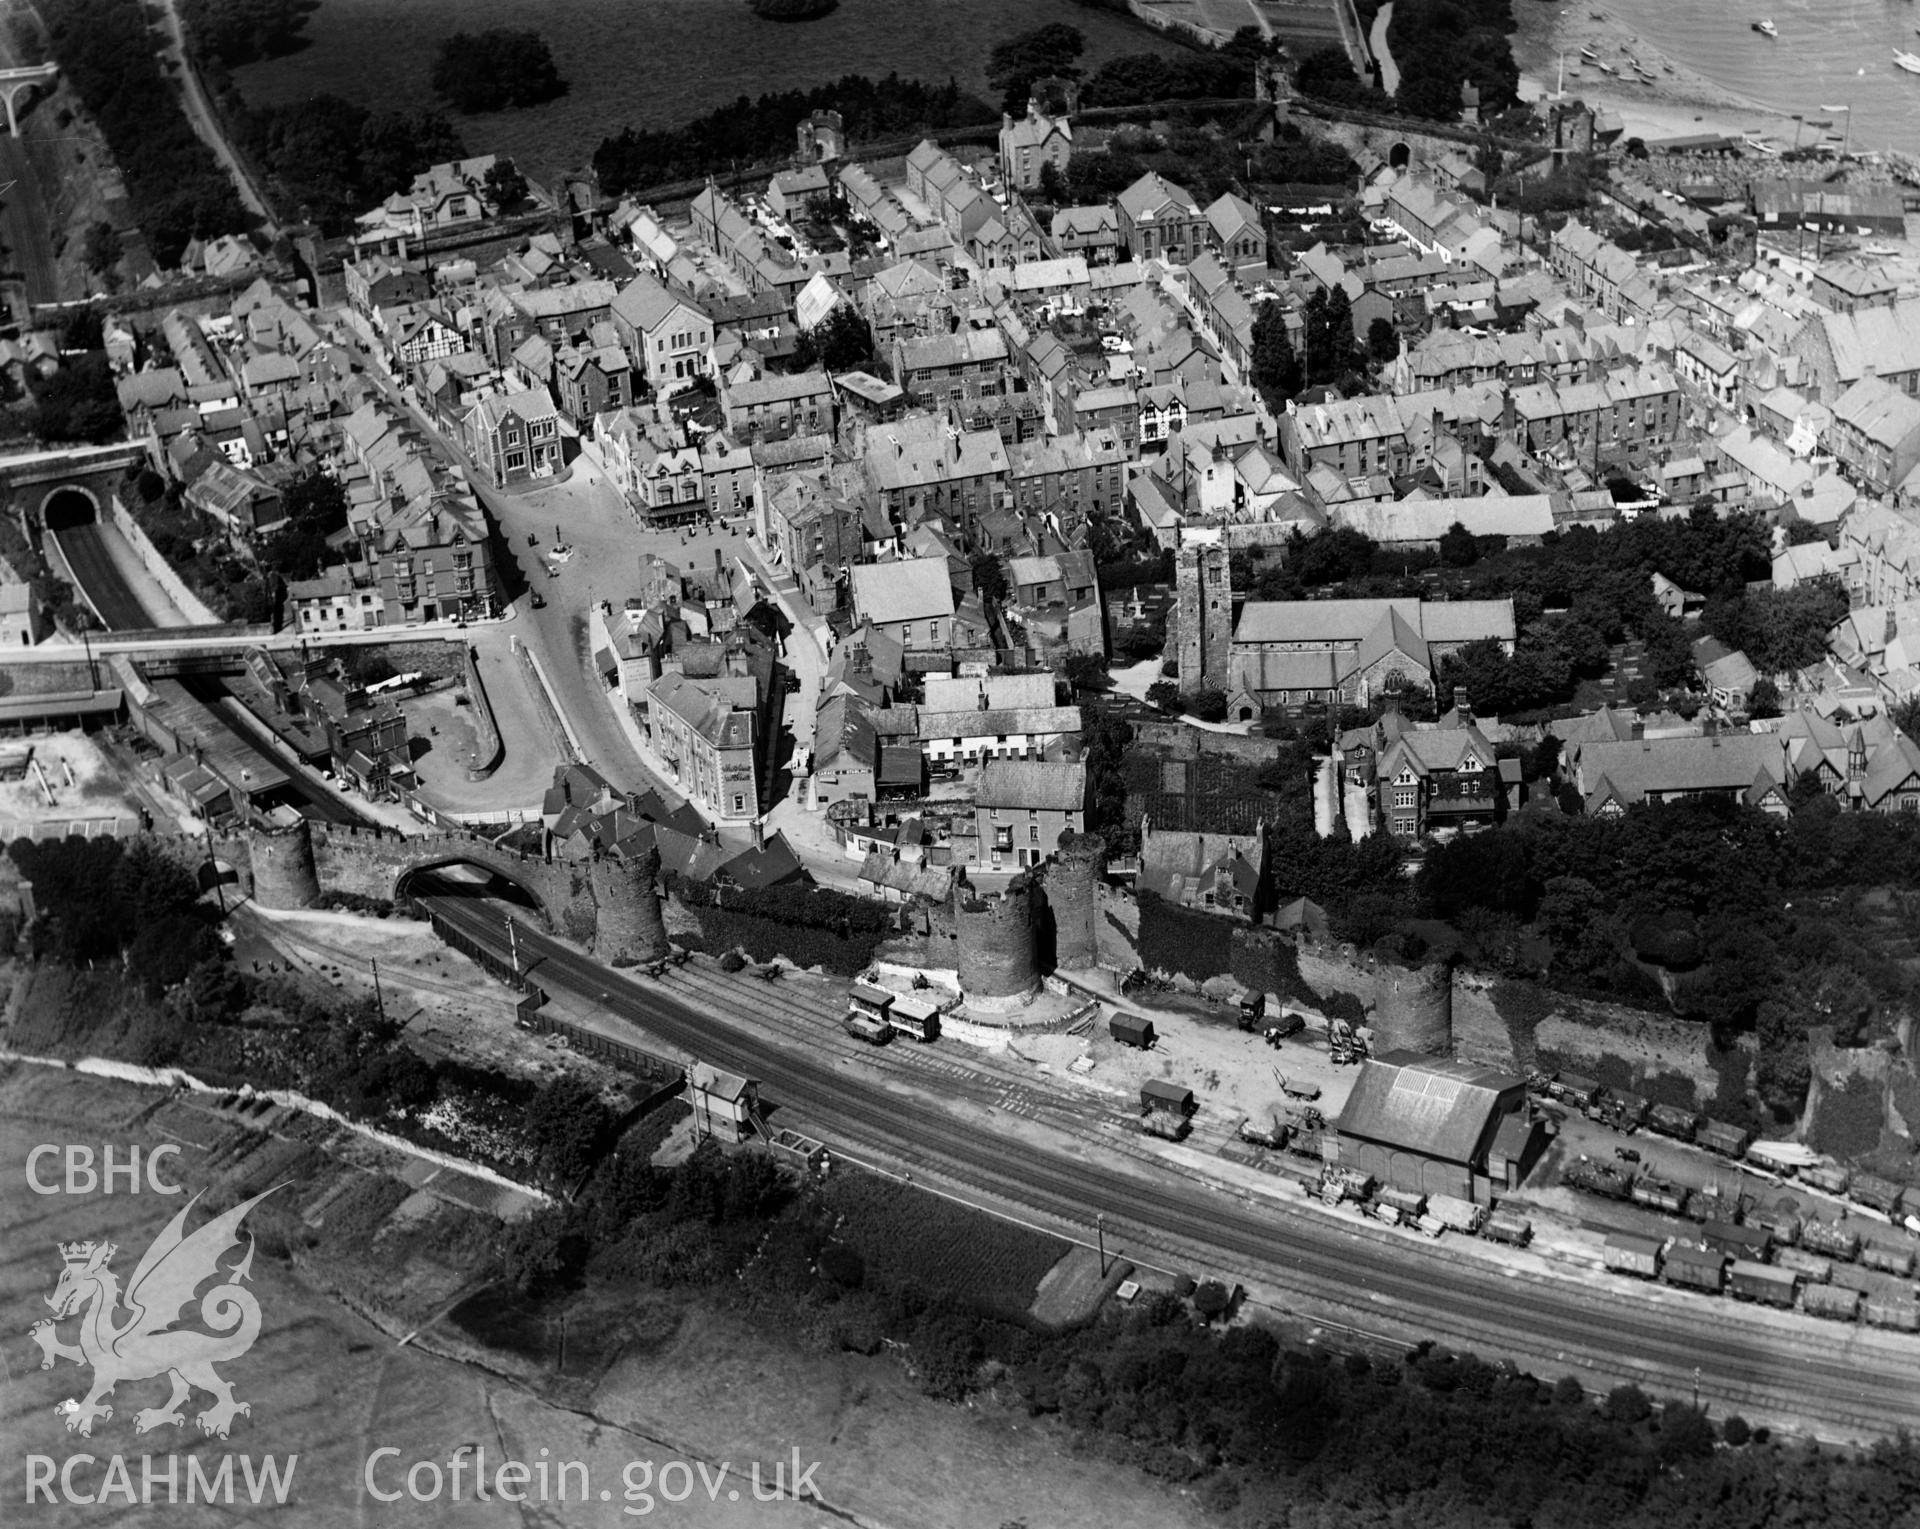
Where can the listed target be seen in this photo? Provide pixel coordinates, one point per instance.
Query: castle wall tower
(1073, 895)
(284, 874)
(999, 965)
(626, 898)
(1203, 604)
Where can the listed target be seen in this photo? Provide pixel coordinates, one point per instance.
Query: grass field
(332, 1388)
(907, 1233)
(658, 63)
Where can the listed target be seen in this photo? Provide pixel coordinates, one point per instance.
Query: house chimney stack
(1461, 704)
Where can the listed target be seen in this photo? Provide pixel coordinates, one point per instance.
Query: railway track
(1862, 1386)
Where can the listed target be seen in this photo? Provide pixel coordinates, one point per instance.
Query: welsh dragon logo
(145, 1343)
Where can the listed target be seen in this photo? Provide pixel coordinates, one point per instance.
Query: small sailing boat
(1766, 29)
(1907, 61)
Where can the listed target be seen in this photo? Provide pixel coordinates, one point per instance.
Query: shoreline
(1680, 101)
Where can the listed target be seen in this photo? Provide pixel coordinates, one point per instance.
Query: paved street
(586, 512)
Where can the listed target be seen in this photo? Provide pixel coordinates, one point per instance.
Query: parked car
(560, 552)
(538, 600)
(1626, 1154)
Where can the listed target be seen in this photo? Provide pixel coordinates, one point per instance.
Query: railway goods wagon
(1710, 1205)
(1640, 1256)
(1410, 1205)
(1671, 1120)
(1828, 1176)
(1627, 1112)
(1835, 1301)
(1598, 1178)
(1726, 1140)
(1817, 1270)
(1695, 1268)
(1750, 1281)
(1430, 1226)
(1749, 1242)
(1891, 1312)
(1572, 1089)
(1380, 1210)
(1831, 1238)
(915, 1018)
(1131, 1030)
(1458, 1215)
(1887, 1257)
(1881, 1194)
(1658, 1194)
(1504, 1226)
(864, 1027)
(1782, 1221)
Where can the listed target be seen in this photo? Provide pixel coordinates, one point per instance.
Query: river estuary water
(1829, 53)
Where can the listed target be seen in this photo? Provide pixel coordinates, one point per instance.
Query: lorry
(1345, 1044)
(1412, 1206)
(1638, 1256)
(1430, 1226)
(1253, 1009)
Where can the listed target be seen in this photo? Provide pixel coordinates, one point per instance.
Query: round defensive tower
(626, 899)
(1413, 1008)
(999, 968)
(284, 874)
(1073, 893)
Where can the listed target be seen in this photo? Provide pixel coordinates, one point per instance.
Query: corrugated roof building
(1438, 1127)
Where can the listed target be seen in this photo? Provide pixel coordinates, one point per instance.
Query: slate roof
(1033, 783)
(1350, 621)
(915, 589)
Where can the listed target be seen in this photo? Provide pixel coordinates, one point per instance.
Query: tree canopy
(495, 70)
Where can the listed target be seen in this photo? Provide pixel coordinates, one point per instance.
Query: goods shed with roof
(1438, 1126)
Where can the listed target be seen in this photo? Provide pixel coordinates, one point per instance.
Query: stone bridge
(612, 905)
(56, 490)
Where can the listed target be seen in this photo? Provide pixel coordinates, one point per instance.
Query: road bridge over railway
(17, 84)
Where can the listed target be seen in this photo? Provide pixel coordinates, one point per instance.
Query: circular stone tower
(1073, 893)
(999, 969)
(284, 875)
(626, 900)
(1413, 1008)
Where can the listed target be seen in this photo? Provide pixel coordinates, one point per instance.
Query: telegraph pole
(379, 997)
(218, 890)
(1100, 1230)
(513, 946)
